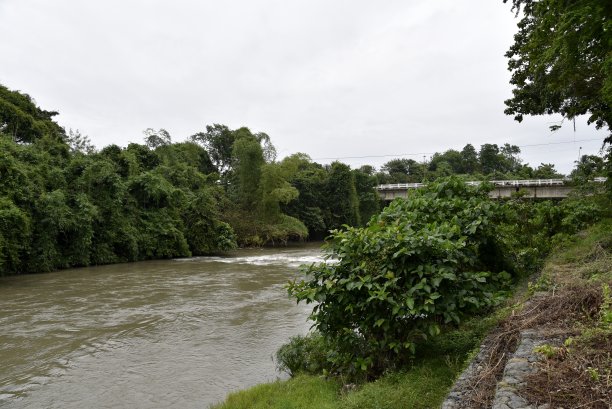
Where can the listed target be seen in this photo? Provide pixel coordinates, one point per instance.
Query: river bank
(583, 262)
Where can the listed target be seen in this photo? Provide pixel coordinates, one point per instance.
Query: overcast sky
(333, 79)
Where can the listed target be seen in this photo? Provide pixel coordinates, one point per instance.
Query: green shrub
(303, 354)
(422, 263)
(529, 230)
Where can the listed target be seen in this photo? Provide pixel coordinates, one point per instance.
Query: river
(158, 334)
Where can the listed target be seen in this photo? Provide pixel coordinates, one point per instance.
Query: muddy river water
(158, 334)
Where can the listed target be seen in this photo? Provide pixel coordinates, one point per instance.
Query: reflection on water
(158, 334)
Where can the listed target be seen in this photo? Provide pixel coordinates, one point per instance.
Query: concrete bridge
(533, 188)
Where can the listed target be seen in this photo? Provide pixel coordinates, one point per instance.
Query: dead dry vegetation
(571, 303)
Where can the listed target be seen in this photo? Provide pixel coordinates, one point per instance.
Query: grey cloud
(331, 79)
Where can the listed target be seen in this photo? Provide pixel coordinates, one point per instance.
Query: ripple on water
(160, 334)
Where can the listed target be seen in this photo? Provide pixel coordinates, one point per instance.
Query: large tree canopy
(23, 120)
(561, 60)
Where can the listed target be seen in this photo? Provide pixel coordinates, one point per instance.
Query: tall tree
(561, 60)
(469, 159)
(489, 158)
(248, 159)
(588, 167)
(510, 159)
(23, 120)
(365, 184)
(310, 180)
(268, 149)
(218, 141)
(156, 138)
(275, 190)
(343, 203)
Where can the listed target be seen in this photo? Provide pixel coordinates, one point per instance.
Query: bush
(303, 354)
(530, 230)
(422, 263)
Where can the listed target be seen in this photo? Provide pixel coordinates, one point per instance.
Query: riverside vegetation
(65, 204)
(395, 325)
(394, 317)
(427, 267)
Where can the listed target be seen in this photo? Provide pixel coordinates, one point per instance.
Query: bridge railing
(529, 182)
(400, 186)
(497, 183)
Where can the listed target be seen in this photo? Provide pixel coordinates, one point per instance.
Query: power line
(396, 155)
(377, 156)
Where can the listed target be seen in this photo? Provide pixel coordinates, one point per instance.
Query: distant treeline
(64, 204)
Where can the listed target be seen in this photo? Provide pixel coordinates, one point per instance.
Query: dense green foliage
(489, 162)
(419, 264)
(561, 60)
(59, 209)
(425, 381)
(23, 121)
(531, 229)
(63, 204)
(303, 354)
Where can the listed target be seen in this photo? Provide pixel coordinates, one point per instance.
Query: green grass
(422, 386)
(583, 244)
(300, 392)
(587, 256)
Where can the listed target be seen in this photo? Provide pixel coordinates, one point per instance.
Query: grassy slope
(300, 392)
(423, 386)
(579, 373)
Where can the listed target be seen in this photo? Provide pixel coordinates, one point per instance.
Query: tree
(546, 171)
(342, 200)
(248, 160)
(79, 142)
(441, 169)
(453, 160)
(489, 158)
(510, 161)
(275, 190)
(187, 153)
(203, 231)
(469, 159)
(269, 151)
(397, 169)
(365, 186)
(309, 179)
(402, 171)
(588, 167)
(23, 120)
(155, 139)
(14, 235)
(218, 141)
(142, 157)
(561, 60)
